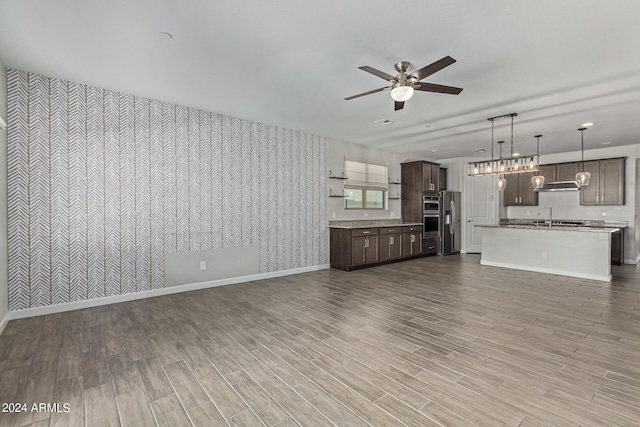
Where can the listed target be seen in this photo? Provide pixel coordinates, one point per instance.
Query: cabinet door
(568, 171)
(527, 196)
(411, 244)
(358, 255)
(442, 179)
(430, 246)
(612, 182)
(435, 178)
(589, 195)
(511, 192)
(426, 177)
(371, 249)
(549, 172)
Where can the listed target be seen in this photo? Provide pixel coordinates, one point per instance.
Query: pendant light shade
(537, 181)
(502, 183)
(583, 177)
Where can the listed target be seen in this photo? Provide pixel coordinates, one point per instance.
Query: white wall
(336, 151)
(4, 287)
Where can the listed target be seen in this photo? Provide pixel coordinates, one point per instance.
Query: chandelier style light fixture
(583, 177)
(505, 165)
(537, 180)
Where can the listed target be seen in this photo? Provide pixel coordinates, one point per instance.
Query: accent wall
(101, 185)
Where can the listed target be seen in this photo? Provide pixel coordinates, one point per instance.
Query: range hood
(559, 186)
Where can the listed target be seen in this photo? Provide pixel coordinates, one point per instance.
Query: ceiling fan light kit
(403, 85)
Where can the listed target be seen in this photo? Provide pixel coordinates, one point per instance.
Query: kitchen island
(583, 252)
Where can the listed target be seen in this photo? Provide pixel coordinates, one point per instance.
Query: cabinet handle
(366, 243)
(366, 232)
(413, 238)
(596, 198)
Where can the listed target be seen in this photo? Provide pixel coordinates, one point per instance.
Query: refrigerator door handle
(452, 225)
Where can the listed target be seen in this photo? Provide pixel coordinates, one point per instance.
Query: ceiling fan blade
(399, 105)
(378, 73)
(368, 93)
(433, 68)
(431, 87)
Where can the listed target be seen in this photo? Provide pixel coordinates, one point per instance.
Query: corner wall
(104, 185)
(4, 285)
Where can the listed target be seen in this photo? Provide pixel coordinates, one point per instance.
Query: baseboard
(600, 278)
(632, 262)
(3, 322)
(70, 306)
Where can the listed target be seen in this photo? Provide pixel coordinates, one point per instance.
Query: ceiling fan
(403, 85)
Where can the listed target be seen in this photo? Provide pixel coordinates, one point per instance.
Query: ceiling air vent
(383, 122)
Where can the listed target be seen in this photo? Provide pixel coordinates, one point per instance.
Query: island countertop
(541, 227)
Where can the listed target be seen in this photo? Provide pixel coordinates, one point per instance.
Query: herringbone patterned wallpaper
(102, 184)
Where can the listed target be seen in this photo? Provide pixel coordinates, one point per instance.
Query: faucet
(550, 212)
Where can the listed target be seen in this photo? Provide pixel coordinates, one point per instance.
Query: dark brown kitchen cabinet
(430, 246)
(430, 177)
(549, 172)
(606, 186)
(567, 171)
(417, 178)
(617, 247)
(390, 243)
(560, 171)
(442, 179)
(364, 246)
(519, 191)
(411, 241)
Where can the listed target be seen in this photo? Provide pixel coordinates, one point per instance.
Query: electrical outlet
(604, 213)
(393, 214)
(366, 214)
(203, 265)
(544, 254)
(528, 213)
(334, 215)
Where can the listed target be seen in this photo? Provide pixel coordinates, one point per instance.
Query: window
(367, 185)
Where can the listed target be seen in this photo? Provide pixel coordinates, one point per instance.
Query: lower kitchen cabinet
(390, 243)
(351, 249)
(411, 241)
(617, 247)
(364, 247)
(430, 246)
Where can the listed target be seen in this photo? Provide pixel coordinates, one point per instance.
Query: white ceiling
(291, 63)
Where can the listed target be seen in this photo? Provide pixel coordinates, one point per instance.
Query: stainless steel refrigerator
(449, 231)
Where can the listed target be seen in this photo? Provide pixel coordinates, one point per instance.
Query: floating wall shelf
(342, 176)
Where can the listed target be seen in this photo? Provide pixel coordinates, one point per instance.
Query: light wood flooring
(427, 342)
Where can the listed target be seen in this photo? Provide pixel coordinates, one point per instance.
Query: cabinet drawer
(390, 230)
(364, 232)
(412, 229)
(430, 246)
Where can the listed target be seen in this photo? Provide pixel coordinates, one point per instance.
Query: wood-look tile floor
(433, 341)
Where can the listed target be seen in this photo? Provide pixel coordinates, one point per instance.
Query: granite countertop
(582, 222)
(371, 223)
(587, 229)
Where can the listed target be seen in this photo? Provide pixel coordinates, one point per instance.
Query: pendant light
(583, 177)
(537, 180)
(501, 181)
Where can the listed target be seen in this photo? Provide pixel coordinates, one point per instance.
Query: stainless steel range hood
(559, 186)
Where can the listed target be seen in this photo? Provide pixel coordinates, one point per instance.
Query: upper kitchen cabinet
(417, 178)
(519, 191)
(549, 172)
(606, 186)
(567, 171)
(430, 177)
(442, 180)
